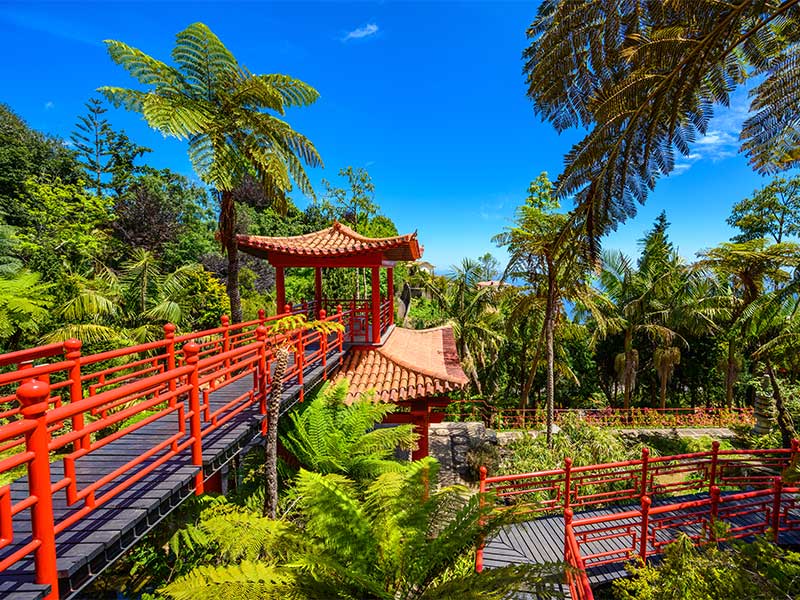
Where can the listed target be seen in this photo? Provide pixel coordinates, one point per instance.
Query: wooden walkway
(541, 541)
(85, 549)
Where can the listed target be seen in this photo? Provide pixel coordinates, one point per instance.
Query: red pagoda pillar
(280, 291)
(376, 305)
(390, 292)
(318, 290)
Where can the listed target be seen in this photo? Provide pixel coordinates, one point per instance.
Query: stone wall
(449, 443)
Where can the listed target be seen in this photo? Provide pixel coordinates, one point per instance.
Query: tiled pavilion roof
(411, 364)
(334, 241)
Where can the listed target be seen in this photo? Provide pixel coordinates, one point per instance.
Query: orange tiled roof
(411, 364)
(337, 240)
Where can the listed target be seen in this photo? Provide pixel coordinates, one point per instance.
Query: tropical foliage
(645, 79)
(399, 539)
(329, 436)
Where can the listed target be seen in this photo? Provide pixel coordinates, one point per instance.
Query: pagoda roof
(336, 241)
(410, 365)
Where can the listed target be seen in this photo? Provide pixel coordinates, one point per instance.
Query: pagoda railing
(358, 316)
(731, 483)
(59, 404)
(505, 419)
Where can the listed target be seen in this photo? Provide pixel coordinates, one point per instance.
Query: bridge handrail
(60, 409)
(708, 472)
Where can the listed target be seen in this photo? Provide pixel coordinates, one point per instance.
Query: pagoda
(416, 370)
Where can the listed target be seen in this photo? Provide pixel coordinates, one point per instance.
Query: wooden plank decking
(541, 541)
(85, 549)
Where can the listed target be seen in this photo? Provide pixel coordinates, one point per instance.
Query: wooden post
(482, 503)
(777, 487)
(323, 345)
(190, 352)
(646, 502)
(390, 293)
(72, 352)
(376, 305)
(261, 336)
(318, 290)
(352, 321)
(567, 481)
(715, 498)
(34, 396)
(645, 464)
(300, 360)
(169, 336)
(712, 476)
(280, 290)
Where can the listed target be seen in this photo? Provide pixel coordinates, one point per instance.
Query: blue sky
(429, 97)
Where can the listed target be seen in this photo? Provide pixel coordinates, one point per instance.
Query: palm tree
(470, 311)
(398, 540)
(225, 112)
(644, 78)
(636, 303)
(552, 266)
(746, 268)
(329, 436)
(24, 304)
(129, 307)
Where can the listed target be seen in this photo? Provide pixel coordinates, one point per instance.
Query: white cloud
(361, 32)
(49, 105)
(721, 141)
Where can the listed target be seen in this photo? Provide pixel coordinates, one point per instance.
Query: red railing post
(262, 316)
(714, 492)
(287, 309)
(645, 467)
(340, 318)
(190, 352)
(300, 359)
(323, 345)
(567, 482)
(777, 487)
(482, 504)
(353, 321)
(169, 336)
(72, 351)
(261, 336)
(646, 502)
(226, 341)
(712, 476)
(34, 396)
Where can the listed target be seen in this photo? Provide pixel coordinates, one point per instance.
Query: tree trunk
(663, 381)
(271, 447)
(227, 234)
(526, 389)
(730, 374)
(785, 423)
(549, 327)
(629, 367)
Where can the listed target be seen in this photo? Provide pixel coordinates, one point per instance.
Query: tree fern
(398, 539)
(329, 436)
(226, 114)
(645, 79)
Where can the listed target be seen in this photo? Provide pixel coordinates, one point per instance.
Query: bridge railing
(626, 481)
(77, 405)
(737, 483)
(644, 532)
(527, 418)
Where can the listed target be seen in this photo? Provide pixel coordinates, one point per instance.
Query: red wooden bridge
(96, 450)
(599, 517)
